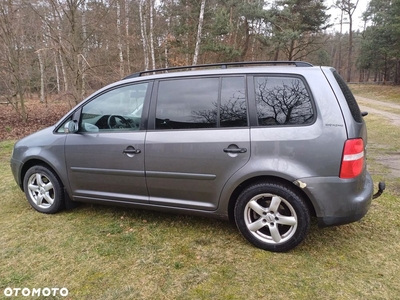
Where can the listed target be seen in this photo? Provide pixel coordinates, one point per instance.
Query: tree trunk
(246, 41)
(127, 35)
(350, 53)
(41, 65)
(143, 34)
(84, 52)
(291, 49)
(23, 114)
(121, 56)
(188, 33)
(64, 72)
(277, 52)
(57, 73)
(153, 59)
(199, 30)
(166, 43)
(60, 48)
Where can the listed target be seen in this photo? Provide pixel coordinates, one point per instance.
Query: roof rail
(222, 66)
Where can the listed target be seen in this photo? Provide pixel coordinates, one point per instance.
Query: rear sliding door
(198, 138)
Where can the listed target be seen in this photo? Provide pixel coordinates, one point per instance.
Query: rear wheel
(43, 190)
(272, 216)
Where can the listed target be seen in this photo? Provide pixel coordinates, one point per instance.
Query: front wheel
(43, 190)
(272, 216)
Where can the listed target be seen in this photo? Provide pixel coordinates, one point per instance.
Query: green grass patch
(387, 93)
(101, 252)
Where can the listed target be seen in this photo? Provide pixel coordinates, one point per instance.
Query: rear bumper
(339, 201)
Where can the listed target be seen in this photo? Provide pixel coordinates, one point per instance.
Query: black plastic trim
(222, 66)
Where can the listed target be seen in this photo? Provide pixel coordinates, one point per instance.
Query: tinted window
(201, 103)
(282, 101)
(118, 109)
(351, 101)
(233, 112)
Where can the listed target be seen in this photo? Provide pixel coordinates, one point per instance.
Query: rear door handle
(235, 150)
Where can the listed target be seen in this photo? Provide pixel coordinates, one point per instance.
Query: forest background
(66, 49)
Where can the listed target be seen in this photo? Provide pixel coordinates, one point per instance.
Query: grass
(380, 107)
(387, 93)
(101, 252)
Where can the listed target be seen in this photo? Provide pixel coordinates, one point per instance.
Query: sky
(357, 22)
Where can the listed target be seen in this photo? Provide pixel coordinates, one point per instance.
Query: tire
(43, 190)
(272, 216)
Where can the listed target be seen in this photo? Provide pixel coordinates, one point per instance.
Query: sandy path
(391, 160)
(393, 117)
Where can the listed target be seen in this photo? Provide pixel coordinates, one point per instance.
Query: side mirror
(71, 127)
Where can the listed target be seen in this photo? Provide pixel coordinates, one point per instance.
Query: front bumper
(16, 169)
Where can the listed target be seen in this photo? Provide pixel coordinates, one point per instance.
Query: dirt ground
(39, 114)
(393, 117)
(390, 160)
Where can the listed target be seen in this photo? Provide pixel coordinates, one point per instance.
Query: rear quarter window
(282, 100)
(351, 101)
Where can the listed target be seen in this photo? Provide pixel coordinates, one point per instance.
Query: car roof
(222, 68)
(235, 68)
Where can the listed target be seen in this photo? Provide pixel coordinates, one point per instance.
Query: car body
(268, 146)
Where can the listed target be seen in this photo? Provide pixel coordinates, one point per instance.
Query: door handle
(235, 150)
(131, 151)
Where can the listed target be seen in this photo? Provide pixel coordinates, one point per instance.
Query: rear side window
(282, 101)
(201, 103)
(351, 101)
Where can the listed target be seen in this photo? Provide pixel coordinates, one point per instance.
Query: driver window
(116, 110)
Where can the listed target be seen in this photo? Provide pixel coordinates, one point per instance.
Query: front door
(105, 158)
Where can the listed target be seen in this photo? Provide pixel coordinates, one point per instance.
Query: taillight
(353, 158)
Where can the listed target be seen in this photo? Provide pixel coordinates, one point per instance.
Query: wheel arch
(242, 186)
(37, 162)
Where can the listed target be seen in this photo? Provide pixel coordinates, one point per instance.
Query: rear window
(201, 103)
(351, 101)
(282, 101)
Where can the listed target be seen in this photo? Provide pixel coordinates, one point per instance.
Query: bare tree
(69, 31)
(58, 42)
(70, 42)
(348, 7)
(11, 51)
(72, 46)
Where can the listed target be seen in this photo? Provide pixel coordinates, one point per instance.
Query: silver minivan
(266, 144)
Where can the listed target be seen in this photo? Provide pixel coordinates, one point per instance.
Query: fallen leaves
(39, 114)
